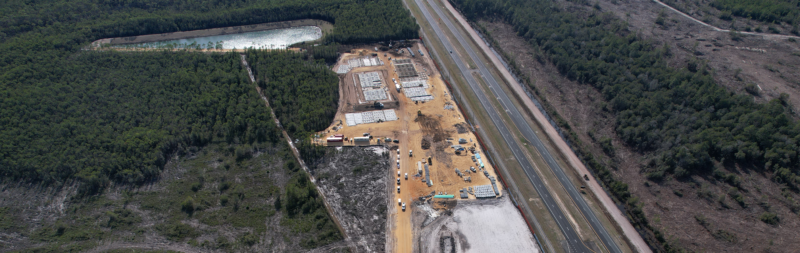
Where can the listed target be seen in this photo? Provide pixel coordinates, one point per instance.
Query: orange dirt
(437, 125)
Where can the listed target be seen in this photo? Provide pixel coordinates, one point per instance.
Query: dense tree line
(304, 94)
(104, 115)
(772, 11)
(681, 115)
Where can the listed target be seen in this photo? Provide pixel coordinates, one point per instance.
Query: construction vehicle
(419, 112)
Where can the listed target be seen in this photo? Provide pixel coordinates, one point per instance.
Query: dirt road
(574, 162)
(766, 35)
(296, 153)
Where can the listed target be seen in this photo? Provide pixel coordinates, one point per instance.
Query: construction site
(395, 98)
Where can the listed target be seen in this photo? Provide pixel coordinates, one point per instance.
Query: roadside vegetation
(692, 125)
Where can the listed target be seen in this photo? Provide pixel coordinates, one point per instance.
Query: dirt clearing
(472, 226)
(428, 131)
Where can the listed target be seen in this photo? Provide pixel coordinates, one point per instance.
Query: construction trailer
(335, 139)
(361, 139)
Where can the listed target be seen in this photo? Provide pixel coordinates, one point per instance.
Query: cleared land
(355, 183)
(430, 134)
(471, 226)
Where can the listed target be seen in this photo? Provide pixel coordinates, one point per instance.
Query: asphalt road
(574, 243)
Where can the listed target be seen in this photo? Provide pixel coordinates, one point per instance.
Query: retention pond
(278, 35)
(270, 39)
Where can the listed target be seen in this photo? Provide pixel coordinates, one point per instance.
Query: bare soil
(435, 127)
(470, 226)
(676, 207)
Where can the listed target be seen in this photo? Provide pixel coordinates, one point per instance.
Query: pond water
(269, 39)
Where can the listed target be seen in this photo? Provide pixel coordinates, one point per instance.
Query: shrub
(188, 205)
(769, 218)
(177, 231)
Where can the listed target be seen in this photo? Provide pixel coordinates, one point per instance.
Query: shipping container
(335, 139)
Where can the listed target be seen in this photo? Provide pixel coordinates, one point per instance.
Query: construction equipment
(419, 112)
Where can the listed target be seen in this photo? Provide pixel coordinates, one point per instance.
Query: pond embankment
(325, 26)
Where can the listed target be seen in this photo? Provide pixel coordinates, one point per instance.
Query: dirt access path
(766, 35)
(299, 159)
(573, 160)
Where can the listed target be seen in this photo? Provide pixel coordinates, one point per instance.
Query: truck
(410, 153)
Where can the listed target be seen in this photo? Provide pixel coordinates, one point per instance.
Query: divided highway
(574, 242)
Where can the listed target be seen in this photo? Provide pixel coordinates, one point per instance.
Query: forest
(303, 94)
(98, 117)
(772, 11)
(692, 125)
(117, 116)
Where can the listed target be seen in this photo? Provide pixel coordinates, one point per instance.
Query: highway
(574, 242)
